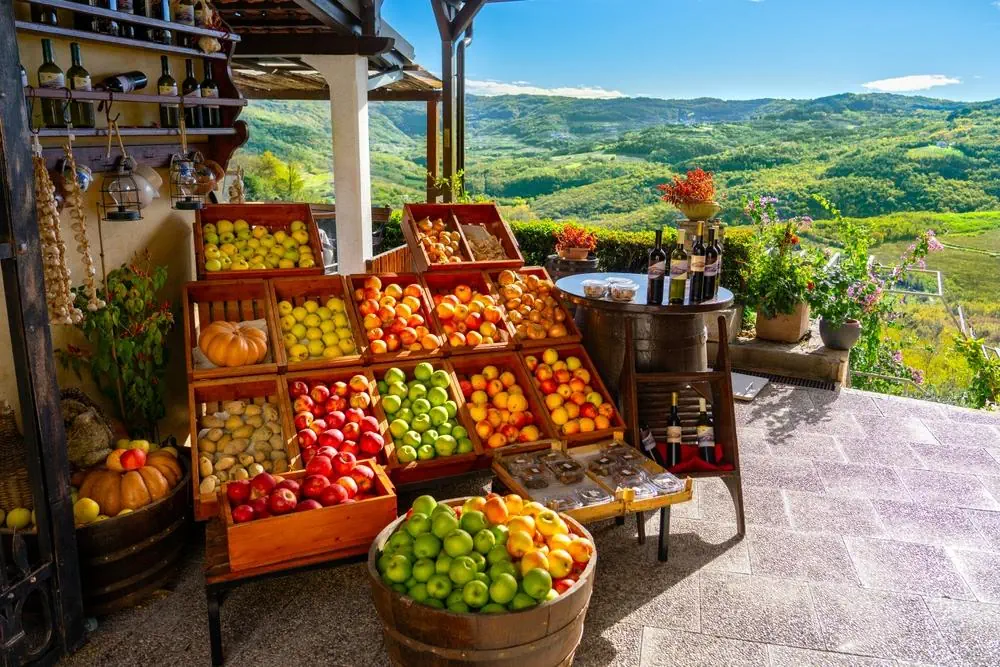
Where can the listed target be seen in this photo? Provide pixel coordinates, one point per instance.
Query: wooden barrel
(559, 267)
(416, 635)
(125, 558)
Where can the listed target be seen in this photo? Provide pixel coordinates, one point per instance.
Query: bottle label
(674, 435)
(697, 263)
(81, 83)
(657, 270)
(209, 92)
(24, 77)
(712, 269)
(193, 93)
(706, 436)
(168, 90)
(126, 6)
(679, 269)
(51, 80)
(648, 441)
(184, 14)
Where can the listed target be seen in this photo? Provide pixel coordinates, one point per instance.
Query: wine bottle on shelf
(191, 88)
(126, 82)
(46, 15)
(675, 434)
(657, 267)
(160, 9)
(712, 264)
(81, 112)
(706, 434)
(649, 443)
(184, 15)
(678, 271)
(140, 8)
(718, 249)
(697, 266)
(107, 26)
(126, 30)
(211, 114)
(167, 85)
(55, 111)
(85, 22)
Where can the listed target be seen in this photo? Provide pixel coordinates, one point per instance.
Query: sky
(732, 49)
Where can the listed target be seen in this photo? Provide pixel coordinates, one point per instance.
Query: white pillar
(347, 77)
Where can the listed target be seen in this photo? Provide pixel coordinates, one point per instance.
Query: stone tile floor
(873, 538)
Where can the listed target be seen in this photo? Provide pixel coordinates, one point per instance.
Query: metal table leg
(214, 625)
(664, 532)
(640, 519)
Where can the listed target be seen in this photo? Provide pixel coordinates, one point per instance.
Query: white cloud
(906, 84)
(525, 88)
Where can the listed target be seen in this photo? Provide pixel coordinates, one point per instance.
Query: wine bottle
(697, 266)
(657, 268)
(139, 8)
(191, 88)
(104, 25)
(712, 265)
(184, 15)
(84, 22)
(160, 9)
(55, 112)
(212, 114)
(678, 271)
(126, 82)
(706, 434)
(648, 443)
(127, 30)
(81, 112)
(718, 249)
(166, 85)
(675, 434)
(46, 15)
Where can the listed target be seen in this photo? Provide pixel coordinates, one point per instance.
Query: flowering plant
(696, 187)
(575, 236)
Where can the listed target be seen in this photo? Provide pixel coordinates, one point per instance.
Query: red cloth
(691, 462)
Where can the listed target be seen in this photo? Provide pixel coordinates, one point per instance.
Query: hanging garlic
(58, 295)
(237, 191)
(74, 200)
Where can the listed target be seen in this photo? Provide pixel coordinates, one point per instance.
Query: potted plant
(780, 273)
(692, 195)
(575, 242)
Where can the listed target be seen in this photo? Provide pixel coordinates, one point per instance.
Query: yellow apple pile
(573, 403)
(314, 331)
(238, 246)
(468, 317)
(499, 408)
(531, 308)
(393, 317)
(440, 244)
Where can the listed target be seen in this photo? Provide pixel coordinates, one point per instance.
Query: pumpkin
(233, 344)
(115, 491)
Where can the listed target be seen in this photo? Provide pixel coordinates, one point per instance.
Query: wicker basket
(15, 486)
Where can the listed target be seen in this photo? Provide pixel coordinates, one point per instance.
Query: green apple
(438, 415)
(416, 391)
(398, 539)
(462, 570)
(423, 371)
(437, 396)
(522, 601)
(445, 429)
(418, 592)
(405, 413)
(382, 387)
(410, 583)
(502, 567)
(427, 546)
(459, 608)
(500, 533)
(465, 446)
(398, 428)
(424, 505)
(439, 586)
(503, 589)
(423, 568)
(476, 594)
(425, 452)
(454, 597)
(445, 445)
(400, 588)
(440, 378)
(406, 454)
(411, 438)
(390, 404)
(458, 543)
(458, 432)
(428, 437)
(479, 559)
(537, 583)
(418, 524)
(398, 389)
(420, 406)
(551, 595)
(444, 507)
(498, 554)
(398, 569)
(451, 407)
(383, 562)
(394, 375)
(483, 577)
(484, 541)
(472, 521)
(405, 550)
(443, 523)
(493, 608)
(434, 602)
(421, 423)
(443, 563)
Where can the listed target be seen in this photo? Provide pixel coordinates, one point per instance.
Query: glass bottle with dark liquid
(713, 263)
(657, 268)
(55, 111)
(706, 434)
(697, 266)
(211, 114)
(167, 85)
(675, 434)
(191, 88)
(81, 112)
(678, 271)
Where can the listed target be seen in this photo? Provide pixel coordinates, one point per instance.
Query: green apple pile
(238, 246)
(422, 415)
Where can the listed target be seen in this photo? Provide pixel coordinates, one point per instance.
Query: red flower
(696, 187)
(811, 286)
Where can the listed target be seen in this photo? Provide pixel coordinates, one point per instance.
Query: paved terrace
(873, 539)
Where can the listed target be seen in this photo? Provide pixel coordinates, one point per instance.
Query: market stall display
(319, 328)
(468, 311)
(130, 479)
(533, 309)
(394, 312)
(484, 240)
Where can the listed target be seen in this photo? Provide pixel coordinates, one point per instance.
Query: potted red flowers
(575, 242)
(692, 195)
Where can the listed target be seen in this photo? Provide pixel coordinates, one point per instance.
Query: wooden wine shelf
(84, 36)
(105, 96)
(135, 19)
(135, 131)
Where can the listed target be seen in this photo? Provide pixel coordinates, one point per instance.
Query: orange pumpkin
(233, 344)
(115, 490)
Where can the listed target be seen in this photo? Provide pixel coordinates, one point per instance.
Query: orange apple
(496, 440)
(430, 342)
(478, 381)
(572, 409)
(587, 425)
(534, 559)
(578, 397)
(496, 510)
(413, 290)
(571, 427)
(550, 356)
(524, 523)
(464, 293)
(520, 542)
(375, 334)
(602, 422)
(379, 347)
(474, 338)
(373, 282)
(581, 549)
(529, 433)
(582, 374)
(456, 339)
(515, 504)
(484, 429)
(392, 342)
(560, 563)
(553, 401)
(394, 290)
(564, 390)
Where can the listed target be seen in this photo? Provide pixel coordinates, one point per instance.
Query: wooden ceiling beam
(464, 17)
(291, 44)
(380, 95)
(384, 79)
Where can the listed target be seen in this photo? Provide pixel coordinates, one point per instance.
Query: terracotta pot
(784, 328)
(574, 253)
(702, 210)
(843, 337)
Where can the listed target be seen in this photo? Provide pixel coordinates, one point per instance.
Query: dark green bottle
(81, 112)
(55, 111)
(167, 85)
(212, 114)
(678, 271)
(191, 88)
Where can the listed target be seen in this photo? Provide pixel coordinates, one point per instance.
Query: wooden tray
(484, 215)
(206, 396)
(573, 334)
(471, 364)
(415, 471)
(356, 281)
(273, 216)
(291, 536)
(321, 289)
(441, 283)
(617, 423)
(342, 374)
(231, 301)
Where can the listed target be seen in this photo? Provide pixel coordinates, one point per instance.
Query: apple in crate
(370, 443)
(282, 501)
(261, 507)
(298, 388)
(308, 504)
(319, 465)
(262, 485)
(238, 491)
(288, 485)
(334, 494)
(349, 485)
(314, 485)
(243, 513)
(364, 477)
(344, 463)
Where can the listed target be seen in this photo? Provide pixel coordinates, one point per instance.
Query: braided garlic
(74, 200)
(237, 193)
(58, 296)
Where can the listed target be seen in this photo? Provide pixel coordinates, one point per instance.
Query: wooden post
(448, 116)
(31, 348)
(432, 149)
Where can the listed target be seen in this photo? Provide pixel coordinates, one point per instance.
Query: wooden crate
(274, 216)
(321, 289)
(456, 215)
(573, 334)
(443, 283)
(472, 364)
(229, 301)
(287, 537)
(356, 281)
(415, 471)
(578, 351)
(206, 397)
(342, 374)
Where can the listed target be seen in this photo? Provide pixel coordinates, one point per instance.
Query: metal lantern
(120, 195)
(184, 191)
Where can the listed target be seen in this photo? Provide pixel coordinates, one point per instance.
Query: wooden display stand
(645, 398)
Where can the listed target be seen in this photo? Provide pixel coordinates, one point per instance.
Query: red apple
(307, 505)
(303, 420)
(349, 501)
(318, 409)
(327, 451)
(133, 459)
(333, 495)
(238, 491)
(242, 514)
(307, 453)
(282, 501)
(303, 403)
(260, 507)
(355, 415)
(510, 432)
(351, 430)
(318, 426)
(314, 485)
(563, 585)
(369, 424)
(319, 465)
(331, 437)
(548, 386)
(331, 404)
(307, 437)
(588, 410)
(364, 477)
(344, 463)
(340, 388)
(262, 485)
(349, 484)
(350, 447)
(360, 400)
(319, 393)
(370, 443)
(298, 388)
(288, 485)
(336, 419)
